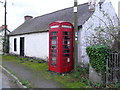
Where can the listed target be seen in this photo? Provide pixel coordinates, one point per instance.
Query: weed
(117, 85)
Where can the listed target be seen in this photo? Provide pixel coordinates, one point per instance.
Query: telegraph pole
(5, 18)
(75, 35)
(5, 33)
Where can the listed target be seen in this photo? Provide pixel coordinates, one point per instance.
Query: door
(21, 46)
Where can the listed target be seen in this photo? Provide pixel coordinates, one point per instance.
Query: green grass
(71, 80)
(67, 80)
(10, 58)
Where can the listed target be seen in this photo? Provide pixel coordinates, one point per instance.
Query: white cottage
(31, 38)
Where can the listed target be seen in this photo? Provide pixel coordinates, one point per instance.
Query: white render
(94, 21)
(36, 45)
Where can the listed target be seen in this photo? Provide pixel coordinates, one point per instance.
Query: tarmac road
(7, 82)
(35, 78)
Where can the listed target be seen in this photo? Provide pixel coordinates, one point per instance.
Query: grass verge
(69, 80)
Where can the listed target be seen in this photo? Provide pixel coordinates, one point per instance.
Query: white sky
(17, 9)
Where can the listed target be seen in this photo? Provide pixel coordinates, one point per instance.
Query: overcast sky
(17, 9)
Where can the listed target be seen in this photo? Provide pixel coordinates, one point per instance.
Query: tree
(108, 35)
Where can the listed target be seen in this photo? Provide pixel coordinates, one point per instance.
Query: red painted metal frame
(63, 63)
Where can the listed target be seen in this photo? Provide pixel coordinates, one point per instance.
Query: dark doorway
(21, 46)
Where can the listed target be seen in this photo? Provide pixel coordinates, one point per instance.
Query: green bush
(117, 85)
(98, 56)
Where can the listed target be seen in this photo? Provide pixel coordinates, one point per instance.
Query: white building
(31, 38)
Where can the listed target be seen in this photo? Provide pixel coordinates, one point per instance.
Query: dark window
(66, 42)
(66, 51)
(53, 61)
(54, 37)
(66, 33)
(54, 46)
(66, 55)
(15, 44)
(66, 46)
(66, 37)
(53, 33)
(54, 55)
(54, 51)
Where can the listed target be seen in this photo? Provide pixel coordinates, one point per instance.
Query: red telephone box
(60, 46)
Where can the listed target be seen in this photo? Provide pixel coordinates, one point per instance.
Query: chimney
(92, 4)
(27, 17)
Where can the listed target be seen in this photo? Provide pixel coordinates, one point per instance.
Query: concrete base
(94, 76)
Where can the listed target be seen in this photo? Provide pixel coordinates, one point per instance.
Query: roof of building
(41, 23)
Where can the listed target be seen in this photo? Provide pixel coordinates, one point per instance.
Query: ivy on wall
(98, 56)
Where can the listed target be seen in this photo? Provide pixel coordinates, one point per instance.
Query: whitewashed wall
(92, 23)
(36, 45)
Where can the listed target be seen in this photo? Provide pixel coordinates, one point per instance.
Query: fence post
(107, 72)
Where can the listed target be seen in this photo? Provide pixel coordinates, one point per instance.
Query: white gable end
(99, 18)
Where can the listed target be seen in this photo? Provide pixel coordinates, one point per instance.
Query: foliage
(5, 43)
(98, 56)
(26, 83)
(117, 85)
(105, 34)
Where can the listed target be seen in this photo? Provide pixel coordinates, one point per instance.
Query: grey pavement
(36, 79)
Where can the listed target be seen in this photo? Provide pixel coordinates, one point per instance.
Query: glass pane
(54, 46)
(54, 33)
(54, 55)
(66, 46)
(56, 26)
(54, 51)
(66, 51)
(54, 42)
(54, 37)
(66, 55)
(53, 59)
(66, 33)
(65, 26)
(67, 37)
(54, 63)
(66, 42)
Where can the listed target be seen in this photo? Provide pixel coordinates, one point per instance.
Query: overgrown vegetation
(107, 34)
(98, 56)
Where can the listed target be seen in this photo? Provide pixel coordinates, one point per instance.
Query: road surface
(6, 82)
